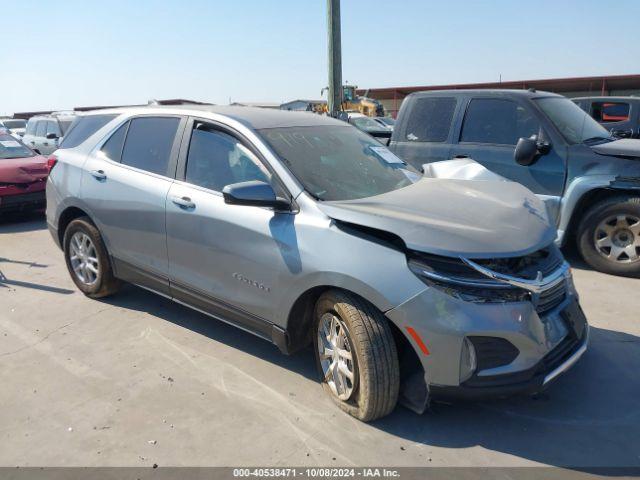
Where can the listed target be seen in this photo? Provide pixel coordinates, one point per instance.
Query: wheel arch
(68, 215)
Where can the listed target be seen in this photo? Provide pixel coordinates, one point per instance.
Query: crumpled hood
(23, 170)
(453, 217)
(625, 147)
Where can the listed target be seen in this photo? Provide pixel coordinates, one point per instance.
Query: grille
(552, 297)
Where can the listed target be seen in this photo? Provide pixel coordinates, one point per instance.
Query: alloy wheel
(617, 238)
(336, 356)
(84, 258)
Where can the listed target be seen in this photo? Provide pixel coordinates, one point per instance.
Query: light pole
(335, 58)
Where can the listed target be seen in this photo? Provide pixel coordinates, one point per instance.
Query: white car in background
(16, 126)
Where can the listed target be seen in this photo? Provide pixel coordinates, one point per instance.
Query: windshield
(14, 123)
(12, 148)
(365, 123)
(387, 121)
(339, 163)
(575, 125)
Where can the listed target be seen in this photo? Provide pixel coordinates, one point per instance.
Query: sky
(59, 55)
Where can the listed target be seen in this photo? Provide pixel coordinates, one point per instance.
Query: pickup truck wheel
(609, 236)
(356, 355)
(87, 259)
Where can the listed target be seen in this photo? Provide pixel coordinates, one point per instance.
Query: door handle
(461, 155)
(183, 202)
(99, 174)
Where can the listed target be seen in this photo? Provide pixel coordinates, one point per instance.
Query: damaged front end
(533, 286)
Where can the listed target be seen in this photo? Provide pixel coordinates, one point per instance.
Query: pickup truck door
(488, 134)
(426, 135)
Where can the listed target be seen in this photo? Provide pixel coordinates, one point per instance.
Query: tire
(614, 221)
(105, 283)
(374, 358)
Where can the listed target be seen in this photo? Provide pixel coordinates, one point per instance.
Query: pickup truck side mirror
(528, 150)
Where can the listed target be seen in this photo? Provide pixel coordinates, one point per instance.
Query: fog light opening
(468, 360)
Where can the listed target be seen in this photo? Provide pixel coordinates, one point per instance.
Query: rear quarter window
(83, 127)
(430, 119)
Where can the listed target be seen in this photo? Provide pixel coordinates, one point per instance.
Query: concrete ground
(136, 380)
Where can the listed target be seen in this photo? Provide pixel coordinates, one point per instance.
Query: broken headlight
(453, 277)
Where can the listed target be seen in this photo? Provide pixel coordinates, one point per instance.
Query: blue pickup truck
(588, 178)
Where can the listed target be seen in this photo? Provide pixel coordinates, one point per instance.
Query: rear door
(426, 134)
(125, 184)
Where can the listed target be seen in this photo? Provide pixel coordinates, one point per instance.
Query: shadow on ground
(589, 418)
(22, 222)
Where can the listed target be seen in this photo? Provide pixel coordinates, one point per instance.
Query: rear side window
(430, 119)
(148, 143)
(83, 127)
(41, 128)
(31, 128)
(112, 148)
(610, 111)
(497, 121)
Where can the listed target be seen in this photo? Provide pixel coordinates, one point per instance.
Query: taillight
(51, 162)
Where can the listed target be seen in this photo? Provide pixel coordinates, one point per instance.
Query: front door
(125, 185)
(226, 259)
(489, 133)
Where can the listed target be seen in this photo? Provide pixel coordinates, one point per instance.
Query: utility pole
(335, 58)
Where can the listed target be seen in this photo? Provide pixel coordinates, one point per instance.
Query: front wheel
(356, 355)
(609, 236)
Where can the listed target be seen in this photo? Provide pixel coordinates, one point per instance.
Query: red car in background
(23, 176)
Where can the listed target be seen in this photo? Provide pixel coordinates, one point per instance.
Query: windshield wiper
(597, 139)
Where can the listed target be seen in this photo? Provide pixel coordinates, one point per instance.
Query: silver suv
(305, 231)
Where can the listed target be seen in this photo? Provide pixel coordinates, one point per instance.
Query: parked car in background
(589, 180)
(44, 133)
(619, 115)
(15, 125)
(386, 122)
(305, 231)
(367, 125)
(23, 175)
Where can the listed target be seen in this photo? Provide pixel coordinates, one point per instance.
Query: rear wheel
(609, 236)
(87, 259)
(356, 355)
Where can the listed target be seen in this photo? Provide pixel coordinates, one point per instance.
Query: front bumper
(23, 201)
(548, 344)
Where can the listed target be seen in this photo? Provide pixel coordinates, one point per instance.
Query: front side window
(339, 162)
(12, 148)
(83, 128)
(611, 111)
(52, 127)
(430, 119)
(497, 121)
(149, 142)
(216, 159)
(574, 124)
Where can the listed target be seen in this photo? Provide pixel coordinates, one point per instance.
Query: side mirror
(254, 193)
(528, 150)
(51, 136)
